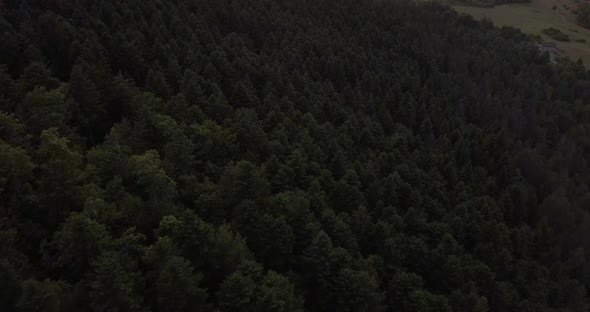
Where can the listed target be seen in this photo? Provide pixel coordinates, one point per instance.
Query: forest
(287, 155)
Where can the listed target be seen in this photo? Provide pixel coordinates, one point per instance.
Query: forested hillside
(287, 155)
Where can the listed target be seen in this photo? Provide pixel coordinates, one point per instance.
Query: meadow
(537, 15)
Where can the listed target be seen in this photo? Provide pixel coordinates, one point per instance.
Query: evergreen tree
(287, 156)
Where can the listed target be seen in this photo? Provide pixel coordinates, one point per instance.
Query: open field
(533, 17)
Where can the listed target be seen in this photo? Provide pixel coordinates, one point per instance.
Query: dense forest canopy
(259, 155)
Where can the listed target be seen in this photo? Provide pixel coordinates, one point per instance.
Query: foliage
(583, 16)
(287, 156)
(556, 34)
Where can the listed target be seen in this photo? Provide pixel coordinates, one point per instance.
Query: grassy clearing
(536, 16)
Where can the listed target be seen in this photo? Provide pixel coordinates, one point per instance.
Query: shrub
(556, 34)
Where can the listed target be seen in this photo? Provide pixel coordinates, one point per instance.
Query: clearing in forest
(534, 17)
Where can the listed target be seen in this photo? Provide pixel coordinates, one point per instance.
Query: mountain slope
(287, 156)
